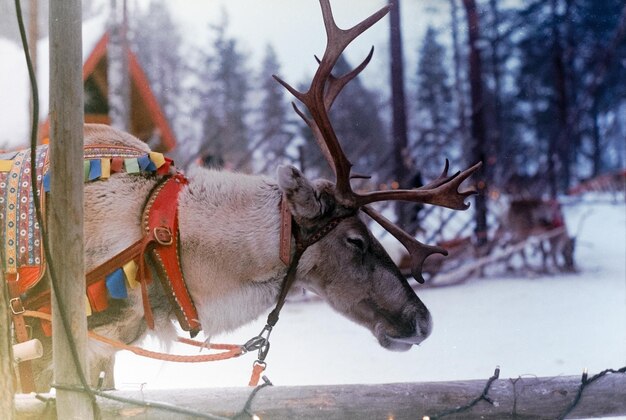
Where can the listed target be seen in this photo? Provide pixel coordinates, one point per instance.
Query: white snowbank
(15, 90)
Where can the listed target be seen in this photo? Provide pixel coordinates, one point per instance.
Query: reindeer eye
(356, 242)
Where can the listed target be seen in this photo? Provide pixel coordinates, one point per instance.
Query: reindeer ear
(300, 192)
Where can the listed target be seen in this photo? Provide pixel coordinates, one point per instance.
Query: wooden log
(536, 398)
(65, 207)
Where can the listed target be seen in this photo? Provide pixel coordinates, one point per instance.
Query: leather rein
(303, 240)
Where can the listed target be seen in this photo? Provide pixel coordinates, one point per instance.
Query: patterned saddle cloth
(19, 231)
(20, 234)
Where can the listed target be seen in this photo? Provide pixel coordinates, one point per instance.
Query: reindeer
(229, 238)
(526, 218)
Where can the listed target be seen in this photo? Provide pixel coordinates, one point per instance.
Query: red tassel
(165, 168)
(97, 294)
(117, 164)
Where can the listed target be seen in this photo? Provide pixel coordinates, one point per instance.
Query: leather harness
(160, 243)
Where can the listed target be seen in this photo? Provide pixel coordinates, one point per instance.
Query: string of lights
(585, 382)
(482, 397)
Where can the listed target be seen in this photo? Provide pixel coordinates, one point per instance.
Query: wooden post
(65, 205)
(7, 377)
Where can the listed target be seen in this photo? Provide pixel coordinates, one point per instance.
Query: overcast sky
(296, 31)
(293, 27)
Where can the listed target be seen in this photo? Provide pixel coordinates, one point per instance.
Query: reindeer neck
(229, 227)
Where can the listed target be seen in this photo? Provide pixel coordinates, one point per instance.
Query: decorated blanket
(20, 233)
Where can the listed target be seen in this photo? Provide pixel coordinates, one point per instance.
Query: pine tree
(576, 83)
(603, 25)
(272, 132)
(479, 128)
(225, 136)
(434, 103)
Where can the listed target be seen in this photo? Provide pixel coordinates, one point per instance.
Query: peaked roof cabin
(147, 120)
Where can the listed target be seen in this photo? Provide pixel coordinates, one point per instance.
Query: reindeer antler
(325, 88)
(319, 98)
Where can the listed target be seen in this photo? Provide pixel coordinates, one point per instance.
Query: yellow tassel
(87, 307)
(157, 159)
(130, 270)
(6, 165)
(106, 168)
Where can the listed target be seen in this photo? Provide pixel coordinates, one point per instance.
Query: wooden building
(147, 120)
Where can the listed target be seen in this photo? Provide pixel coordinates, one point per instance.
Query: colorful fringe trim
(102, 168)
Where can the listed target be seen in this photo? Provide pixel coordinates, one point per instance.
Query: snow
(13, 84)
(15, 88)
(546, 326)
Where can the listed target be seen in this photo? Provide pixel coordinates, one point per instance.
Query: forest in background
(553, 102)
(536, 90)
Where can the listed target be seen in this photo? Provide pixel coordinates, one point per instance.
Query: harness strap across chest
(160, 244)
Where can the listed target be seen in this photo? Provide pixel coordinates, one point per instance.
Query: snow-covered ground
(544, 326)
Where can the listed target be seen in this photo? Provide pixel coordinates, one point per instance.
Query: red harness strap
(160, 223)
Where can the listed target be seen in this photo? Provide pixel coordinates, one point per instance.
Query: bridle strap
(301, 245)
(285, 231)
(261, 341)
(290, 277)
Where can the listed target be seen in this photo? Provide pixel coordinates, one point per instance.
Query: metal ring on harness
(163, 235)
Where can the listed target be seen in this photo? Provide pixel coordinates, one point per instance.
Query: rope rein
(230, 350)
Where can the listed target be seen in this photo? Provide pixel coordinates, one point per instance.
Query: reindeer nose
(423, 326)
(419, 316)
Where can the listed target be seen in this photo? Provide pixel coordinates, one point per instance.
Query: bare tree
(458, 78)
(479, 129)
(398, 102)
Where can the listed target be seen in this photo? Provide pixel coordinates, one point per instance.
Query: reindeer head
(348, 267)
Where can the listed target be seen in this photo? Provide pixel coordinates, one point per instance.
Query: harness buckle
(17, 310)
(163, 235)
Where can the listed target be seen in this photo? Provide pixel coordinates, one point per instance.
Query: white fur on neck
(223, 214)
